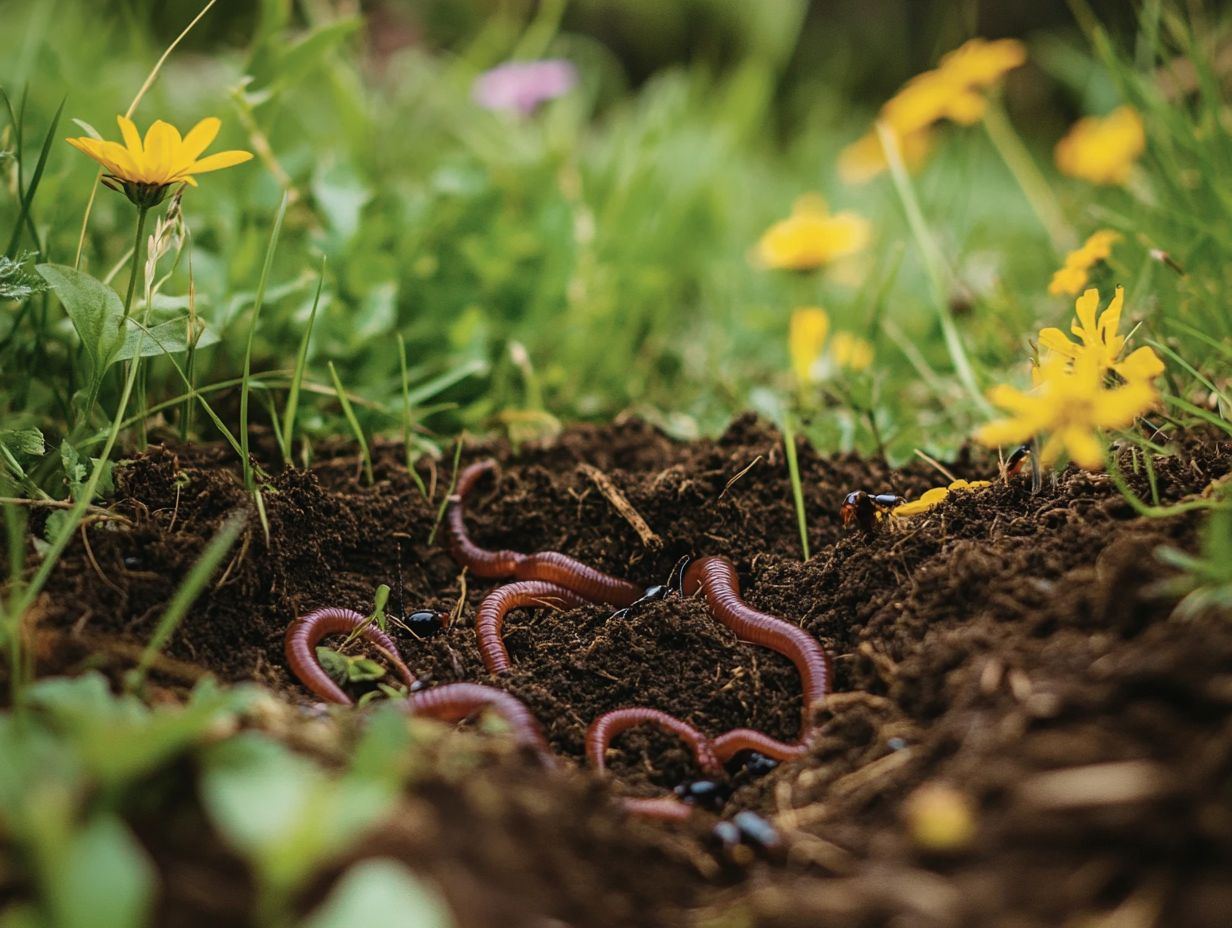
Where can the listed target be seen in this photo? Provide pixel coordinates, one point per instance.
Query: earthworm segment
(307, 631)
(490, 616)
(717, 579)
(455, 702)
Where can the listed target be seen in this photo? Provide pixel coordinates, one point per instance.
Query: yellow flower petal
(1142, 364)
(132, 138)
(927, 501)
(1110, 319)
(1083, 447)
(199, 138)
(216, 162)
(1102, 151)
(1054, 339)
(1085, 308)
(1068, 281)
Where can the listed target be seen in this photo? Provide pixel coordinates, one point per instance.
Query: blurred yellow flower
(1072, 405)
(806, 343)
(937, 495)
(1100, 341)
(851, 351)
(145, 171)
(1072, 277)
(1102, 150)
(950, 91)
(812, 237)
(806, 338)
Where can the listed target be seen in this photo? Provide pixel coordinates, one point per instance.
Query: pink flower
(522, 86)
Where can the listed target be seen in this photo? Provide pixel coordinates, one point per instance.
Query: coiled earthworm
(455, 702)
(716, 577)
(550, 566)
(731, 743)
(490, 616)
(305, 632)
(480, 561)
(607, 726)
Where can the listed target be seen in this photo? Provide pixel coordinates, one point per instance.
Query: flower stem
(934, 264)
(132, 277)
(1034, 187)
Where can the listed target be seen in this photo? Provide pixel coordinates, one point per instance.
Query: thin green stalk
(142, 212)
(297, 375)
(407, 409)
(249, 482)
(185, 596)
(355, 427)
(797, 488)
(934, 265)
(29, 592)
(1009, 145)
(453, 482)
(1158, 512)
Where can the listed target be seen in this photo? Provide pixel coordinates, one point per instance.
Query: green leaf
(103, 880)
(171, 337)
(380, 892)
(23, 444)
(94, 309)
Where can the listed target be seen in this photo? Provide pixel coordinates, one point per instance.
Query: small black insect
(673, 587)
(705, 793)
(865, 510)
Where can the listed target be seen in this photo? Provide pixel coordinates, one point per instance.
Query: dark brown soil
(1009, 646)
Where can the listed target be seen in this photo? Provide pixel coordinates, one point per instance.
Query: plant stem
(132, 277)
(934, 265)
(797, 489)
(1013, 152)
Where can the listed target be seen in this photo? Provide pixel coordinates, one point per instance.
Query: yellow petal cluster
(145, 169)
(1072, 404)
(812, 237)
(806, 343)
(1102, 150)
(953, 91)
(1073, 275)
(936, 496)
(1099, 340)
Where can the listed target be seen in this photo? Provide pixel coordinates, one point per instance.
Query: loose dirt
(1007, 654)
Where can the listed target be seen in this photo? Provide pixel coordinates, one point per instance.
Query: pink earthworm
(731, 743)
(607, 726)
(306, 632)
(455, 702)
(716, 577)
(550, 566)
(490, 616)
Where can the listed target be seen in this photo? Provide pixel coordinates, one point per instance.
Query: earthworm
(455, 702)
(718, 580)
(490, 615)
(731, 743)
(305, 632)
(480, 561)
(607, 726)
(550, 566)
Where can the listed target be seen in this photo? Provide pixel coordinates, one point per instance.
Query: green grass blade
(297, 375)
(407, 411)
(252, 331)
(354, 423)
(797, 488)
(27, 198)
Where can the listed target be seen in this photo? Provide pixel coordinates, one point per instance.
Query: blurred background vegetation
(589, 261)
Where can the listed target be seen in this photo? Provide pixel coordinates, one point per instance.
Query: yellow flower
(950, 91)
(1072, 405)
(1102, 151)
(806, 337)
(811, 237)
(806, 343)
(1072, 277)
(936, 496)
(981, 63)
(851, 351)
(145, 171)
(1100, 340)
